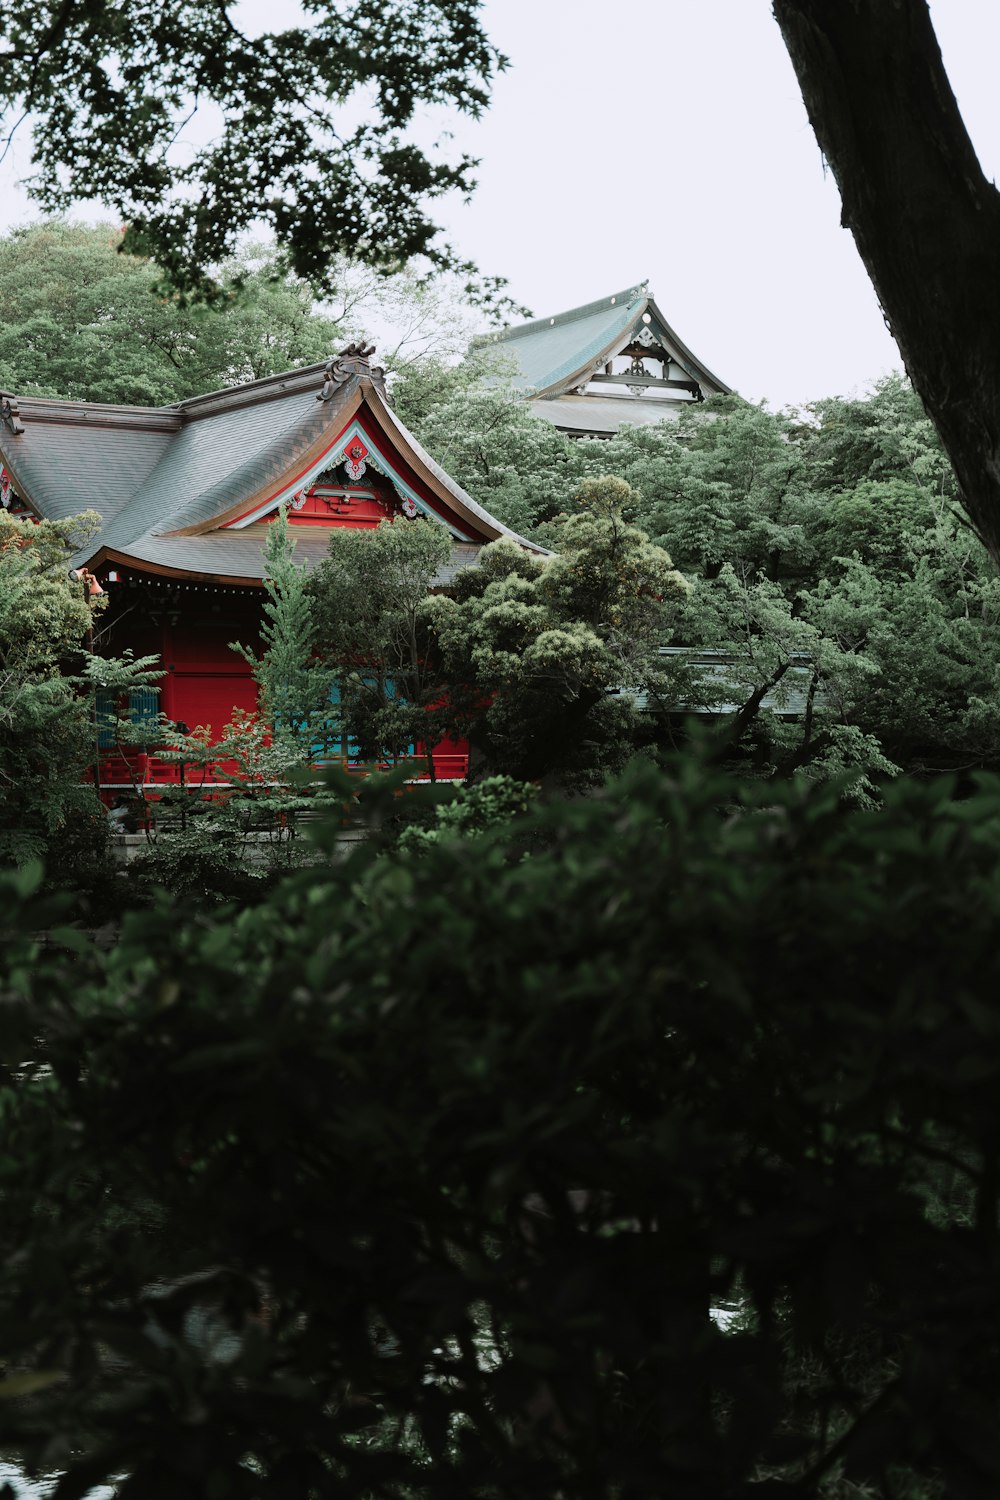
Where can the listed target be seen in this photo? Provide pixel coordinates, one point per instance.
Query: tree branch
(736, 728)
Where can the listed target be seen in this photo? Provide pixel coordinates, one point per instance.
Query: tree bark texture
(925, 219)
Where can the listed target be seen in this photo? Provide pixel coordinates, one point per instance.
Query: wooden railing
(149, 775)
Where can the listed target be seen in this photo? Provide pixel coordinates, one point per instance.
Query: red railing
(148, 775)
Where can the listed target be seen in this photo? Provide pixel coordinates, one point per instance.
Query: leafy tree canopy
(526, 656)
(484, 434)
(370, 597)
(309, 125)
(883, 435)
(829, 559)
(46, 722)
(83, 321)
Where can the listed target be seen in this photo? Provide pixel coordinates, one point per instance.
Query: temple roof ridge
(620, 300)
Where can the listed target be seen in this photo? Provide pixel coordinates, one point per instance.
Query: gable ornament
(354, 459)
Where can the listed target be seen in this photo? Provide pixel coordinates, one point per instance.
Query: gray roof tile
(239, 555)
(64, 468)
(151, 473)
(550, 350)
(216, 461)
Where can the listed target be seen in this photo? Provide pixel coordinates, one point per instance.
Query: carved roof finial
(354, 360)
(10, 415)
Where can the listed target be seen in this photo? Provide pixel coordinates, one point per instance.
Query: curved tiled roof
(167, 481)
(75, 456)
(236, 556)
(552, 350)
(550, 356)
(215, 462)
(549, 351)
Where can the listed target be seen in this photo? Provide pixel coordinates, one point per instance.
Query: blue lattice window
(336, 744)
(343, 746)
(140, 707)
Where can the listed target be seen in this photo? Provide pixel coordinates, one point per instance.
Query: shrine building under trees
(186, 494)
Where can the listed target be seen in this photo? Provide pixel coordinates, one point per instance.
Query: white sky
(667, 139)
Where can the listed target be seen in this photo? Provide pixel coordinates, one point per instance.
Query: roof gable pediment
(359, 447)
(562, 354)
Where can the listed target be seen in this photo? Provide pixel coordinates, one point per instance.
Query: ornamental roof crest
(354, 360)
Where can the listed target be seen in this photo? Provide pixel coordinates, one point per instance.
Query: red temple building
(186, 494)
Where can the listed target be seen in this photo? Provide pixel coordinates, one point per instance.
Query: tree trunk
(925, 220)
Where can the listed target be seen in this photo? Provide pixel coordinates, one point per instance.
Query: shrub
(423, 1176)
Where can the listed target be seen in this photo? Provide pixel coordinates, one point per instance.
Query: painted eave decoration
(187, 491)
(595, 367)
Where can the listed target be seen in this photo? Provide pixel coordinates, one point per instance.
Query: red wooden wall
(190, 627)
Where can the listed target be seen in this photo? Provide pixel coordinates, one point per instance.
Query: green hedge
(422, 1176)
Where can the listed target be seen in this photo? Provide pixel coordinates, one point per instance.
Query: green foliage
(84, 321)
(735, 491)
(533, 650)
(424, 386)
(721, 483)
(896, 593)
(230, 843)
(49, 679)
(789, 689)
(207, 857)
(830, 566)
(933, 701)
(527, 656)
(352, 628)
(520, 469)
(370, 596)
(46, 725)
(882, 436)
(472, 810)
(423, 1175)
(294, 690)
(885, 523)
(311, 134)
